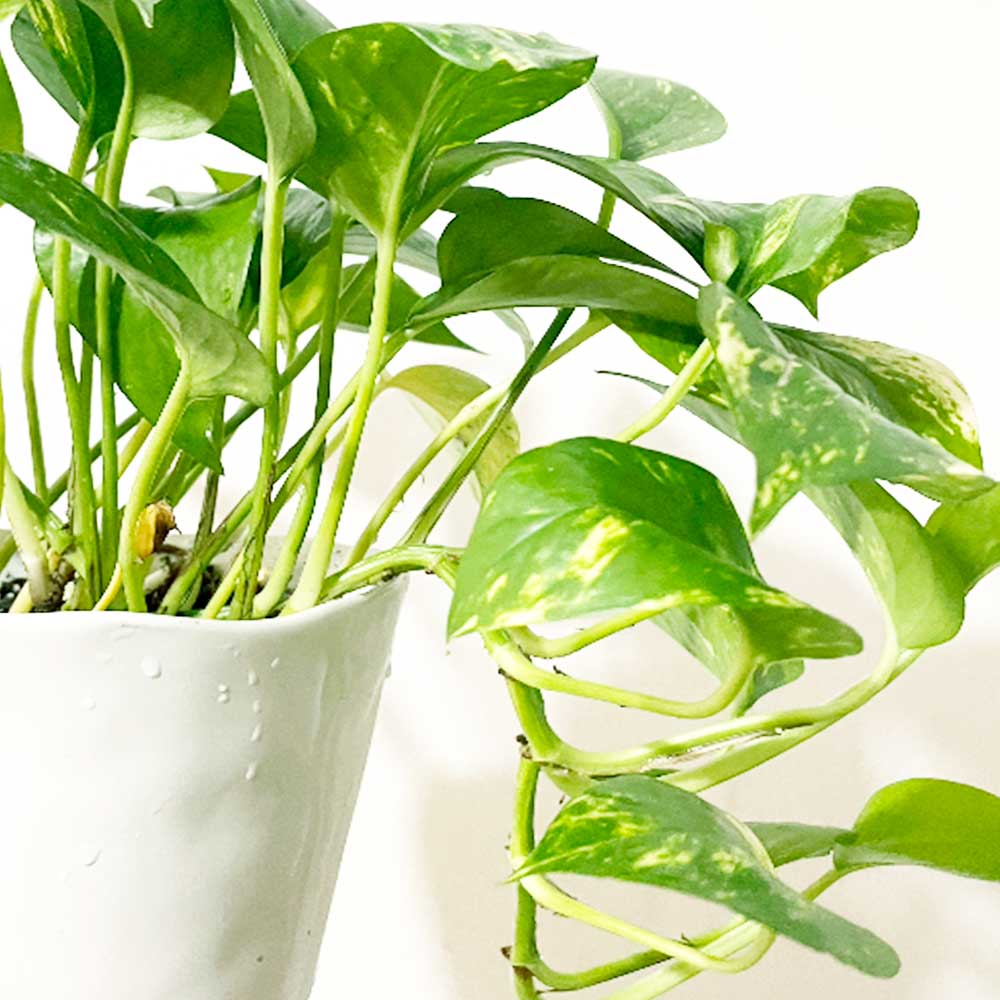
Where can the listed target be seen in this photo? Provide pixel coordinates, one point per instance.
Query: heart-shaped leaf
(924, 821)
(444, 391)
(221, 360)
(920, 589)
(637, 829)
(389, 98)
(969, 530)
(647, 116)
(496, 232)
(807, 426)
(588, 526)
(277, 102)
(183, 60)
(11, 126)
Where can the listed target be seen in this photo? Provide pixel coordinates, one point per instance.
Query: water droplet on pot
(88, 704)
(150, 666)
(223, 694)
(123, 632)
(253, 678)
(91, 856)
(257, 707)
(275, 663)
(258, 732)
(251, 772)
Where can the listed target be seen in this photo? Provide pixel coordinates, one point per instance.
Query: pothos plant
(178, 323)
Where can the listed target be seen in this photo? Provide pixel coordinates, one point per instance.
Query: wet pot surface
(178, 794)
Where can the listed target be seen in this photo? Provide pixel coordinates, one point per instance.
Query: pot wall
(176, 797)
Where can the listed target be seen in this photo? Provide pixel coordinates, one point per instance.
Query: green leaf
(801, 244)
(647, 116)
(938, 824)
(71, 53)
(282, 109)
(562, 281)
(969, 531)
(637, 829)
(294, 23)
(212, 244)
(496, 232)
(444, 391)
(390, 98)
(788, 842)
(588, 526)
(222, 361)
(10, 7)
(813, 423)
(11, 126)
(920, 589)
(183, 62)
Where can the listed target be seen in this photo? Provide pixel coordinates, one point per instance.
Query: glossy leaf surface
(929, 822)
(969, 530)
(812, 423)
(277, 102)
(11, 125)
(588, 526)
(501, 230)
(222, 361)
(637, 829)
(788, 842)
(920, 589)
(389, 98)
(647, 116)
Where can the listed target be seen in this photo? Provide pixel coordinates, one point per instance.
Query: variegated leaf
(637, 829)
(587, 526)
(389, 98)
(807, 426)
(647, 116)
(969, 531)
(801, 244)
(908, 568)
(443, 392)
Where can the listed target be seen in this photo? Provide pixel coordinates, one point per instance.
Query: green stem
(28, 537)
(156, 447)
(547, 895)
(284, 567)
(270, 302)
(688, 376)
(82, 497)
(110, 193)
(466, 416)
(318, 561)
(526, 672)
(430, 558)
(30, 390)
(438, 503)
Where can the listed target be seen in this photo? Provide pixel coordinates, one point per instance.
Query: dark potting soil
(10, 587)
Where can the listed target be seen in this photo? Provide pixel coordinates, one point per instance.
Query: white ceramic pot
(176, 796)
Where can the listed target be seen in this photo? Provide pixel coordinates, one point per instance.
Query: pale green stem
(156, 447)
(28, 536)
(103, 281)
(317, 563)
(82, 497)
(435, 507)
(688, 376)
(270, 302)
(526, 672)
(466, 416)
(30, 390)
(284, 567)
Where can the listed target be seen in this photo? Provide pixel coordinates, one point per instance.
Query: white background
(819, 98)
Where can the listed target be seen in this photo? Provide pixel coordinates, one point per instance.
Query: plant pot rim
(150, 621)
